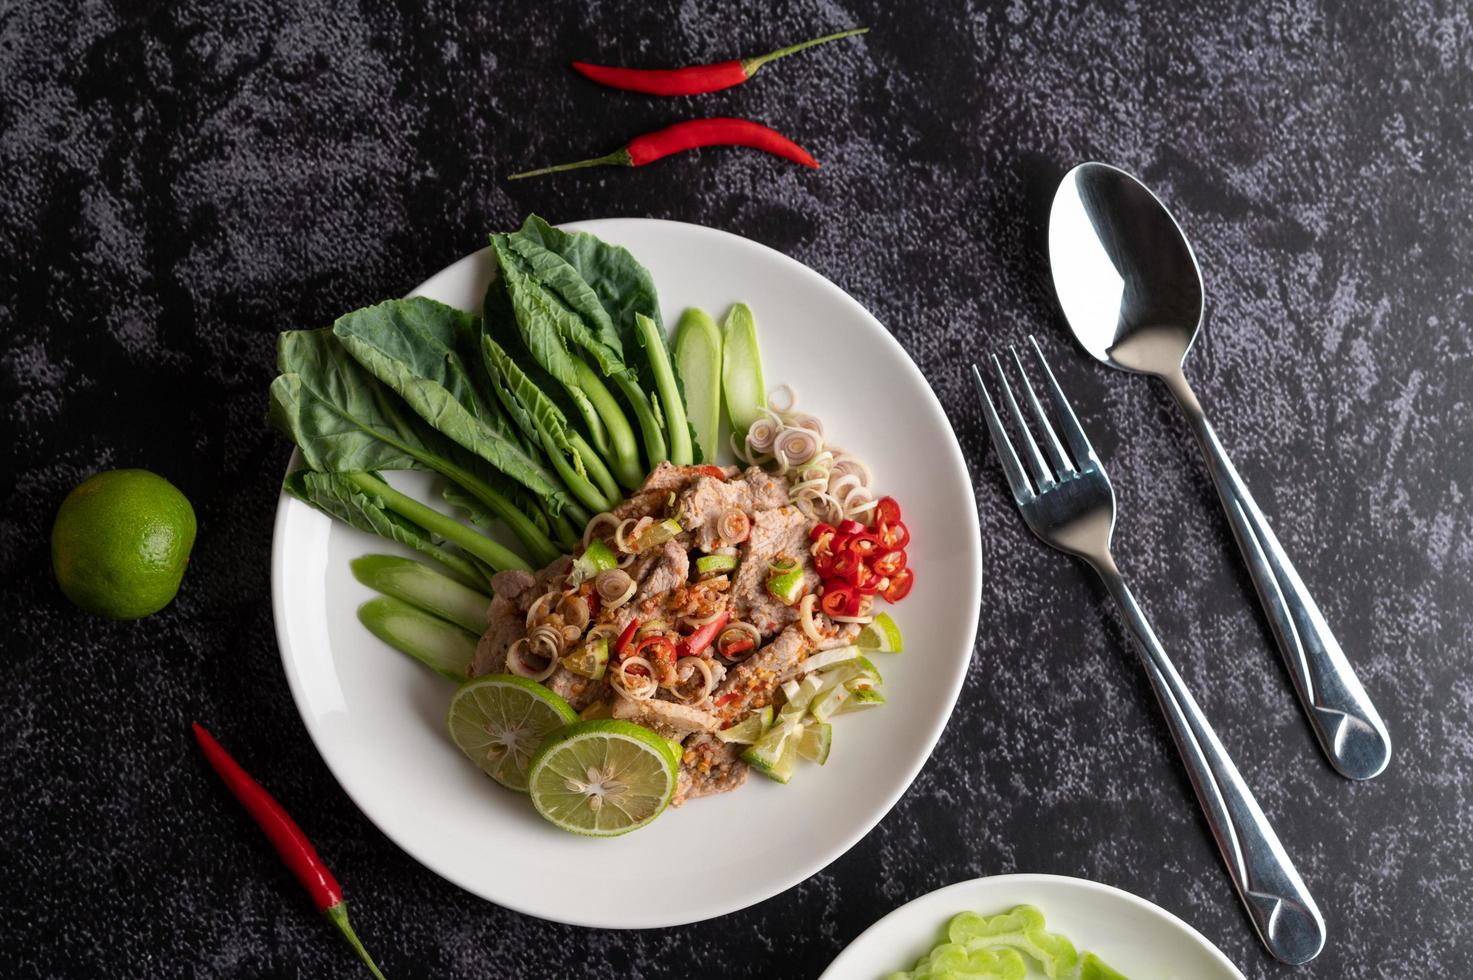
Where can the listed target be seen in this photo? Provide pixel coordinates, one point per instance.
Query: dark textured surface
(181, 185)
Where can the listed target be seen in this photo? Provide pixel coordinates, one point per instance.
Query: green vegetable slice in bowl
(500, 720)
(417, 584)
(698, 357)
(741, 370)
(749, 729)
(602, 778)
(443, 647)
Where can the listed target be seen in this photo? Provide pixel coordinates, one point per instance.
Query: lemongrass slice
(635, 687)
(517, 663)
(805, 618)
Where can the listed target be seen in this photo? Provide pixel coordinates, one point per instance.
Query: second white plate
(1141, 940)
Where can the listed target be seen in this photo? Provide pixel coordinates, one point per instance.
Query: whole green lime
(120, 543)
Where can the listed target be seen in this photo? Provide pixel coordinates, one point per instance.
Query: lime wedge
(602, 778)
(814, 742)
(499, 720)
(882, 635)
(775, 754)
(750, 729)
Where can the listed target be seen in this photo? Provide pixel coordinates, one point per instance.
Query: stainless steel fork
(1070, 505)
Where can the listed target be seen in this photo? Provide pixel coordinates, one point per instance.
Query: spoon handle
(1344, 721)
(1275, 897)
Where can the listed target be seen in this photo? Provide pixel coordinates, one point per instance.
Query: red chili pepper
(849, 528)
(889, 563)
(845, 562)
(864, 579)
(894, 536)
(622, 643)
(839, 598)
(695, 79)
(714, 472)
(717, 131)
(661, 645)
(819, 530)
(824, 563)
(899, 586)
(864, 544)
(698, 641)
(726, 698)
(737, 647)
(887, 511)
(291, 844)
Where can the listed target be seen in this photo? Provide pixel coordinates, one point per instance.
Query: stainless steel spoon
(1132, 293)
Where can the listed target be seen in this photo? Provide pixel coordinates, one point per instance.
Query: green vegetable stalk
(335, 495)
(480, 546)
(344, 421)
(652, 338)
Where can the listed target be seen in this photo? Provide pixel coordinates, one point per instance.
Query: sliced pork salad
(665, 624)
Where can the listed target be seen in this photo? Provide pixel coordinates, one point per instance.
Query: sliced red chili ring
(714, 472)
(663, 649)
(845, 562)
(819, 530)
(864, 579)
(887, 511)
(849, 528)
(838, 597)
(621, 645)
(889, 563)
(864, 544)
(824, 563)
(895, 535)
(735, 648)
(899, 586)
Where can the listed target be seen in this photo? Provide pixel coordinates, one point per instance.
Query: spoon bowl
(1133, 292)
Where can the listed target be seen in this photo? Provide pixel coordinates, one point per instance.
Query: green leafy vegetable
(336, 496)
(540, 419)
(558, 338)
(344, 421)
(698, 361)
(417, 347)
(415, 583)
(624, 288)
(741, 371)
(443, 647)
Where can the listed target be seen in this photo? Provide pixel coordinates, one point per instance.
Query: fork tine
(1011, 465)
(1084, 453)
(1051, 444)
(1041, 473)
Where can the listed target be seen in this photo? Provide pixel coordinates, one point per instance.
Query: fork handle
(1280, 906)
(1344, 721)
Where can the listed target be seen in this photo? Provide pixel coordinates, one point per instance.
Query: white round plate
(1141, 940)
(378, 718)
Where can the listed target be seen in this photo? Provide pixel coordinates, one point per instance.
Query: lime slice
(882, 635)
(775, 753)
(499, 721)
(750, 729)
(861, 698)
(813, 743)
(602, 778)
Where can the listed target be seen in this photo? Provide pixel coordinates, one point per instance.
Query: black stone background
(182, 181)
